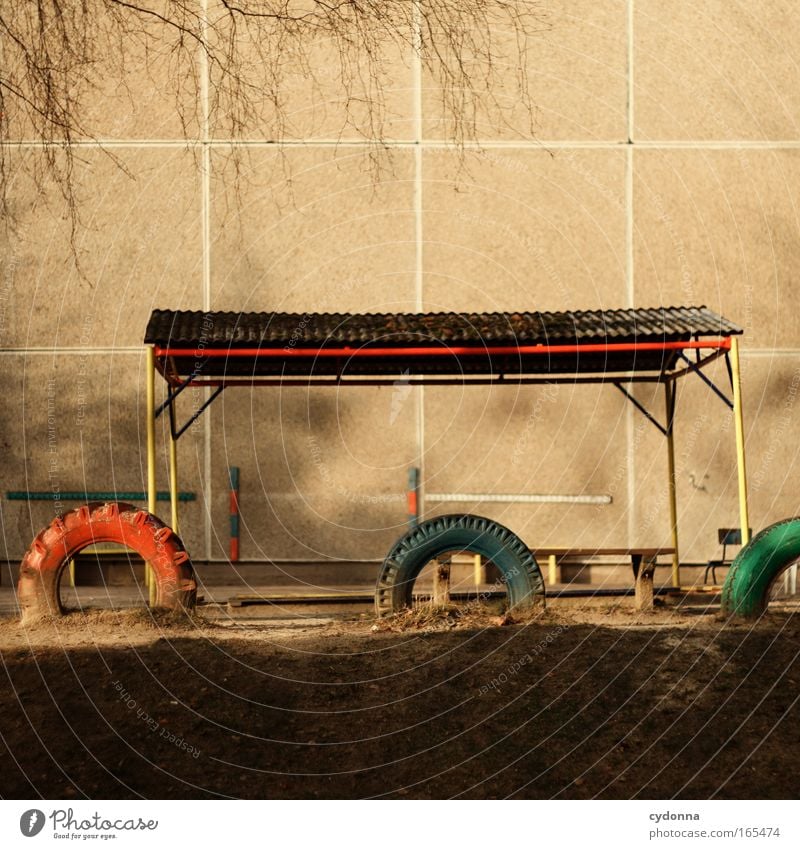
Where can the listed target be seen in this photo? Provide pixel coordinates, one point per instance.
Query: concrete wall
(664, 170)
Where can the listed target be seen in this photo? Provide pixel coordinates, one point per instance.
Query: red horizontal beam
(459, 351)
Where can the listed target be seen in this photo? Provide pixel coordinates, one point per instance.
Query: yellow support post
(552, 569)
(744, 513)
(669, 397)
(173, 482)
(151, 430)
(150, 378)
(479, 571)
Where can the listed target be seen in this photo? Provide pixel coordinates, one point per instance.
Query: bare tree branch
(57, 55)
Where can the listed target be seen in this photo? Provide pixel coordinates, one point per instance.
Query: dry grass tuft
(437, 617)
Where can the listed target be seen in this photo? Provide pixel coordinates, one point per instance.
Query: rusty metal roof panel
(421, 335)
(262, 329)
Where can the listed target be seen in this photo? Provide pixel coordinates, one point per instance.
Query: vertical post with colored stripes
(413, 487)
(233, 474)
(173, 483)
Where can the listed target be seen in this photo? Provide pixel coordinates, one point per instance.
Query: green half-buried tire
(459, 532)
(752, 573)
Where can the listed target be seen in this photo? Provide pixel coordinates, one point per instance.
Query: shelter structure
(225, 350)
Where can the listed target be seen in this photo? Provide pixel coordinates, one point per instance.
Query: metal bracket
(642, 409)
(707, 380)
(729, 367)
(169, 404)
(177, 433)
(171, 396)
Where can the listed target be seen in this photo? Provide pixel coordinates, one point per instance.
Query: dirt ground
(578, 702)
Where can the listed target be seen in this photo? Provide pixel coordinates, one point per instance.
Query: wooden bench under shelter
(643, 563)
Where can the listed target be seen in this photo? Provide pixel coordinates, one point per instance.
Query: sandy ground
(580, 701)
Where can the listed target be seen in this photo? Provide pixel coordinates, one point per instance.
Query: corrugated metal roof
(224, 329)
(417, 333)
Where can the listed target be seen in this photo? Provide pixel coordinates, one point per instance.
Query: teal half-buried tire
(459, 532)
(752, 573)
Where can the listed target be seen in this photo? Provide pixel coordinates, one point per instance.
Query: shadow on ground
(544, 709)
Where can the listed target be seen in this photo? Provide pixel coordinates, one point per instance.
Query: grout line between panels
(543, 145)
(630, 293)
(206, 247)
(419, 236)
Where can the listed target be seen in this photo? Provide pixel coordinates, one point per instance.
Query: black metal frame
(177, 385)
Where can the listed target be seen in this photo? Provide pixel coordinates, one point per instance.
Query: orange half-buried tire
(44, 562)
